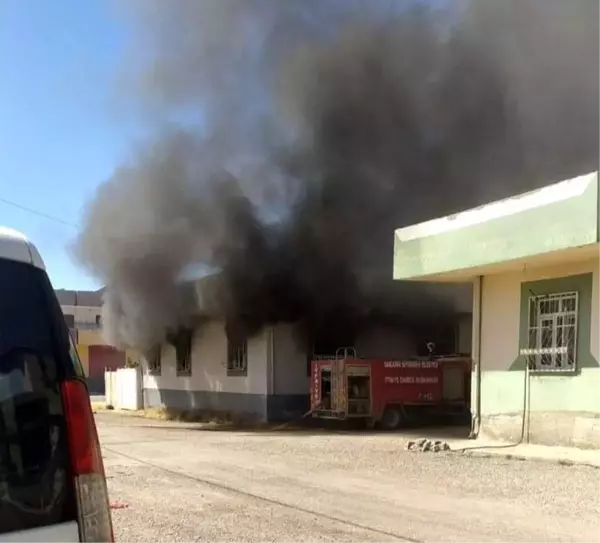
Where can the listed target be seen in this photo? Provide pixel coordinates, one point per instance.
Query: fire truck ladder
(346, 352)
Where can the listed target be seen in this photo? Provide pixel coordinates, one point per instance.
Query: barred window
(183, 353)
(552, 344)
(237, 357)
(153, 357)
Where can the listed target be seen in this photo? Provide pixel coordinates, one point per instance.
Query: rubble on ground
(427, 445)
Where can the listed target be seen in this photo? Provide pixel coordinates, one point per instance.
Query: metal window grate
(154, 360)
(237, 357)
(552, 342)
(183, 354)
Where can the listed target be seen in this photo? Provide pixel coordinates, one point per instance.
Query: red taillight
(86, 463)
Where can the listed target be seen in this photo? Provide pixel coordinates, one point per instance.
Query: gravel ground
(182, 484)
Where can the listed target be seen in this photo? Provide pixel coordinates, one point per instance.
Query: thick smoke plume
(290, 138)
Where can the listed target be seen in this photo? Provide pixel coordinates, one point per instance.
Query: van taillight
(93, 511)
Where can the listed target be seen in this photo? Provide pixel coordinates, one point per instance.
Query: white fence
(124, 388)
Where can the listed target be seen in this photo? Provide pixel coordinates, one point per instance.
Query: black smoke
(290, 138)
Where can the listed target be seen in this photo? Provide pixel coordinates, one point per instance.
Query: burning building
(311, 131)
(266, 374)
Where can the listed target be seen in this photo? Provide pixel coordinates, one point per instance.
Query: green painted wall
(502, 392)
(584, 284)
(560, 225)
(579, 392)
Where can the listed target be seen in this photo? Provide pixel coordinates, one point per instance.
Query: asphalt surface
(178, 483)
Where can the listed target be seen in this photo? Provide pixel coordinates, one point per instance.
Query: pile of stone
(427, 445)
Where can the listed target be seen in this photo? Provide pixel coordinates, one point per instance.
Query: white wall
(122, 388)
(209, 365)
(500, 314)
(82, 313)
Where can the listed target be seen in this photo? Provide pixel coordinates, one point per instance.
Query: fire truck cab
(388, 392)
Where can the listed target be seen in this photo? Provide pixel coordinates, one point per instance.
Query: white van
(52, 483)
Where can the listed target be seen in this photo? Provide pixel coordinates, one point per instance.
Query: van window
(35, 487)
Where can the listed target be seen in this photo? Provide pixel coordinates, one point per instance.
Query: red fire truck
(387, 392)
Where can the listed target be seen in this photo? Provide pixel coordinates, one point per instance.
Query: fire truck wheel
(391, 418)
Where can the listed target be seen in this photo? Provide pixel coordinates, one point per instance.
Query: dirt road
(195, 485)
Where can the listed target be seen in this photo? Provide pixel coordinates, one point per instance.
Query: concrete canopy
(558, 222)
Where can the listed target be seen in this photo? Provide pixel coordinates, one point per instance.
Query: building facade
(83, 314)
(265, 377)
(533, 261)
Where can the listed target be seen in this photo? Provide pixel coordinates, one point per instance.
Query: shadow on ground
(334, 427)
(224, 422)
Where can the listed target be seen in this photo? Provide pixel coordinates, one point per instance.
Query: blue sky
(59, 134)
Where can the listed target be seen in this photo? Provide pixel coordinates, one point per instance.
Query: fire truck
(387, 392)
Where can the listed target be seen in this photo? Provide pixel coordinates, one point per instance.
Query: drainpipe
(270, 361)
(270, 368)
(476, 355)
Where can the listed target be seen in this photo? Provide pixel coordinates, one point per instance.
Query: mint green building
(533, 261)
